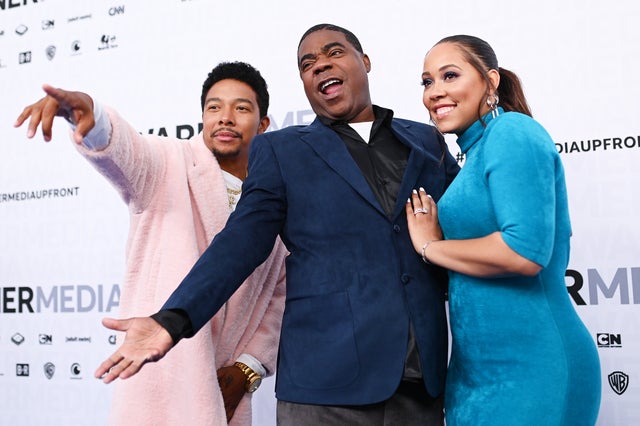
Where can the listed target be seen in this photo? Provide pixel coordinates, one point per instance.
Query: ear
(367, 62)
(264, 124)
(494, 78)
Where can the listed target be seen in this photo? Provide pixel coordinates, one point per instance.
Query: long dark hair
(482, 57)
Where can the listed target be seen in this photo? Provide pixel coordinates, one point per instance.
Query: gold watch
(253, 378)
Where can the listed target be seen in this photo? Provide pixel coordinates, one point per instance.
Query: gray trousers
(410, 405)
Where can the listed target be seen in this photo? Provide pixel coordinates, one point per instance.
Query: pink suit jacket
(178, 201)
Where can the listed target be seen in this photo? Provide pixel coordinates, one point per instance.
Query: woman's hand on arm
(480, 257)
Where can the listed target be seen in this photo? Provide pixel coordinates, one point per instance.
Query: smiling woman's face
(455, 93)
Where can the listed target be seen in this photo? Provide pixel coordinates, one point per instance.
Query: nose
(227, 117)
(322, 64)
(435, 90)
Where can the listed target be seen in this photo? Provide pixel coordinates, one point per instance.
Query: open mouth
(329, 86)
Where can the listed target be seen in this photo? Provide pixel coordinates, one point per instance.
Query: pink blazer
(177, 201)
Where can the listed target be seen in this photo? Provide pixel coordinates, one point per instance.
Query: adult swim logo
(619, 382)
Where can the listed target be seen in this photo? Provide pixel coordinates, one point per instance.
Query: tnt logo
(22, 370)
(618, 382)
(607, 340)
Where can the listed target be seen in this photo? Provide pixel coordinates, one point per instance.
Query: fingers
(116, 324)
(107, 365)
(118, 366)
(77, 107)
(420, 202)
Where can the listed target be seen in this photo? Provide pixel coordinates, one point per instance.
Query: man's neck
(236, 168)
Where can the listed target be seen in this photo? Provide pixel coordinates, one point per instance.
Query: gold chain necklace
(231, 193)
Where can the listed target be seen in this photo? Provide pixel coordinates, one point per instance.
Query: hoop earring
(492, 101)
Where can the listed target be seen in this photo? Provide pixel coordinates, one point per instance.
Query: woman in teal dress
(520, 354)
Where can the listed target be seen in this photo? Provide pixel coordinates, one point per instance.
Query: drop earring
(492, 101)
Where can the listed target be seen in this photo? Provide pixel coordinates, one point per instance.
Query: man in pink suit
(180, 194)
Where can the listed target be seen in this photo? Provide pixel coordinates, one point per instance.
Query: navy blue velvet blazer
(353, 278)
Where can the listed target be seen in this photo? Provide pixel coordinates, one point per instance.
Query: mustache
(226, 130)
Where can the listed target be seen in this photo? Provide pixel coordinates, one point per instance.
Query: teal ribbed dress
(520, 353)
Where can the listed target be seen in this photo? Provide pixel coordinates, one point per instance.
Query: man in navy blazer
(364, 334)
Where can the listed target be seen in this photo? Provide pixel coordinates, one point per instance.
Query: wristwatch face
(253, 386)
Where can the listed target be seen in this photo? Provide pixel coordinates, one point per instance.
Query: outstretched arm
(75, 107)
(145, 341)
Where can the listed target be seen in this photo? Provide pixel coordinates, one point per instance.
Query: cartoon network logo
(609, 340)
(63, 299)
(591, 288)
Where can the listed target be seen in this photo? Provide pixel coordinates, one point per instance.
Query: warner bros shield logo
(618, 382)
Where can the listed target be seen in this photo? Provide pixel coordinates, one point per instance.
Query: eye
(335, 52)
(450, 75)
(213, 107)
(426, 82)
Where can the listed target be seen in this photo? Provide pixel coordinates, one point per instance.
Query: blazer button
(405, 278)
(396, 228)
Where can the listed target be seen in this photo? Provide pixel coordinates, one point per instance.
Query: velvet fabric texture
(520, 353)
(354, 281)
(177, 201)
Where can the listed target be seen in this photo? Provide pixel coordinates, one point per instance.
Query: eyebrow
(324, 49)
(237, 100)
(441, 68)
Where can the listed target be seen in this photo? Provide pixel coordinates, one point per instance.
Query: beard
(231, 153)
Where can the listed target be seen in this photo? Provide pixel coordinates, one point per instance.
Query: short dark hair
(351, 37)
(243, 72)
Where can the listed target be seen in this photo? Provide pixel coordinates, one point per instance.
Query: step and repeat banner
(63, 228)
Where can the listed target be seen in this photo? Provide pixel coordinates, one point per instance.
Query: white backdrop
(63, 228)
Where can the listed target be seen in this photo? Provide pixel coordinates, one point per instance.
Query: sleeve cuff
(251, 362)
(98, 138)
(176, 322)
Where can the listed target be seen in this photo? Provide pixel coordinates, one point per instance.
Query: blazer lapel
(416, 163)
(330, 147)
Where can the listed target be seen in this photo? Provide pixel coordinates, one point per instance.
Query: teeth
(444, 110)
(328, 83)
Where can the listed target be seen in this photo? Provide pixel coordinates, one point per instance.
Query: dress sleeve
(520, 174)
